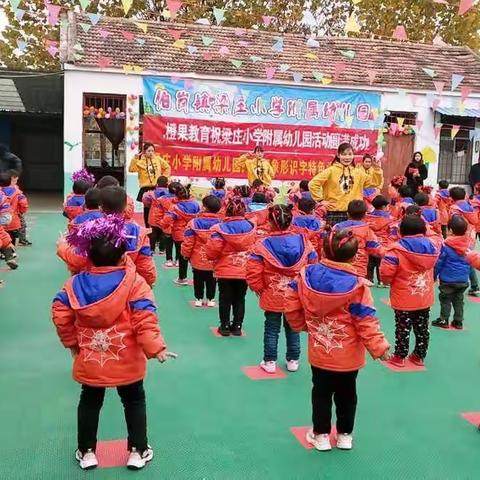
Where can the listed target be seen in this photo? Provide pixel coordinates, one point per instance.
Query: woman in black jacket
(416, 172)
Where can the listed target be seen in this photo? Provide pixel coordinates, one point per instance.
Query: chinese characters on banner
(203, 127)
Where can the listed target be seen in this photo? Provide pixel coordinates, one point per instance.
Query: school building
(206, 94)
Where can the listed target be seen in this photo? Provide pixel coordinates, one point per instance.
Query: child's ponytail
(281, 216)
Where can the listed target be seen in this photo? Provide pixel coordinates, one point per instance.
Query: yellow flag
(326, 80)
(429, 155)
(356, 2)
(127, 69)
(454, 131)
(461, 107)
(375, 113)
(311, 56)
(180, 43)
(127, 4)
(352, 25)
(348, 121)
(142, 26)
(400, 121)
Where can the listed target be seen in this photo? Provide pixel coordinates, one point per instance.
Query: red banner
(203, 148)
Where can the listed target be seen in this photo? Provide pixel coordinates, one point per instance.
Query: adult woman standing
(416, 172)
(369, 167)
(149, 166)
(341, 183)
(257, 166)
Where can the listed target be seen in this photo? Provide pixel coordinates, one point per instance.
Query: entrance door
(398, 154)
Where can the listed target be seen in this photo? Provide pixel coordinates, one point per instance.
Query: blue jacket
(452, 266)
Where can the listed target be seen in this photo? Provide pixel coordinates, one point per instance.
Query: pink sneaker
(182, 283)
(169, 263)
(269, 367)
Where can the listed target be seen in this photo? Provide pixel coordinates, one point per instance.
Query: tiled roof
(396, 64)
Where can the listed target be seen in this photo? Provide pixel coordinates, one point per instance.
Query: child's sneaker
(321, 441)
(198, 303)
(457, 325)
(416, 360)
(12, 264)
(292, 365)
(224, 330)
(474, 292)
(169, 263)
(87, 460)
(161, 252)
(182, 282)
(344, 441)
(236, 330)
(25, 243)
(397, 361)
(269, 367)
(382, 285)
(137, 460)
(211, 303)
(440, 323)
(177, 263)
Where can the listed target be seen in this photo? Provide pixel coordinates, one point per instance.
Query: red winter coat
(138, 250)
(380, 222)
(109, 316)
(408, 268)
(475, 203)
(335, 307)
(74, 205)
(368, 243)
(443, 201)
(86, 216)
(176, 219)
(432, 216)
(398, 210)
(274, 263)
(129, 209)
(311, 227)
(258, 214)
(197, 235)
(229, 246)
(470, 214)
(152, 199)
(18, 205)
(5, 240)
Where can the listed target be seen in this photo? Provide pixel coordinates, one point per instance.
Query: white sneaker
(211, 303)
(87, 460)
(269, 367)
(198, 303)
(321, 441)
(169, 263)
(182, 283)
(177, 263)
(137, 460)
(344, 441)
(292, 365)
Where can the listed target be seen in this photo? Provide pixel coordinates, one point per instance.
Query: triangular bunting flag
(418, 124)
(53, 11)
(454, 131)
(400, 33)
(438, 41)
(86, 27)
(224, 51)
(104, 33)
(465, 6)
(317, 75)
(219, 14)
(240, 32)
(21, 44)
(236, 63)
(179, 43)
(173, 7)
(270, 72)
(465, 92)
(309, 19)
(371, 76)
(207, 41)
(284, 67)
(84, 3)
(129, 36)
(456, 80)
(94, 18)
(297, 77)
(400, 121)
(126, 4)
(327, 80)
(176, 34)
(311, 56)
(352, 25)
(439, 86)
(339, 69)
(255, 58)
(192, 50)
(437, 129)
(278, 46)
(140, 41)
(350, 54)
(104, 62)
(267, 20)
(430, 72)
(14, 4)
(142, 26)
(312, 43)
(19, 13)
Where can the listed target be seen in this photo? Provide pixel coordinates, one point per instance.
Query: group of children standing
(310, 266)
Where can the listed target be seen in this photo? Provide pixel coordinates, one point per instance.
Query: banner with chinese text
(204, 126)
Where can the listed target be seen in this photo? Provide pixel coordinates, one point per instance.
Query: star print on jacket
(327, 333)
(102, 345)
(239, 259)
(419, 283)
(280, 284)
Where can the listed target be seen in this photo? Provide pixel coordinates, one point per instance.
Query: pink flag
(371, 76)
(176, 34)
(419, 124)
(465, 6)
(129, 36)
(437, 129)
(267, 20)
(339, 69)
(435, 104)
(104, 62)
(53, 11)
(174, 6)
(400, 33)
(240, 31)
(465, 92)
(207, 56)
(439, 86)
(104, 33)
(52, 50)
(270, 72)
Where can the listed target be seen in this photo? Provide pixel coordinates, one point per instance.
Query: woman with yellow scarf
(149, 166)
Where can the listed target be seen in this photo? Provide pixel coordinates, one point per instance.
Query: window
(455, 154)
(99, 133)
(409, 118)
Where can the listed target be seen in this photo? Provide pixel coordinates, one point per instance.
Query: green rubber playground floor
(207, 420)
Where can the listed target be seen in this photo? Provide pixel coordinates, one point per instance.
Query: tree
(423, 20)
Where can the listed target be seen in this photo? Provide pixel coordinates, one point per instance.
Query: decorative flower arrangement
(110, 113)
(398, 180)
(397, 131)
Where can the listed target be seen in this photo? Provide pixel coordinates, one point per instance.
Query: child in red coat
(368, 243)
(183, 209)
(307, 223)
(257, 212)
(91, 211)
(408, 268)
(113, 201)
(335, 307)
(75, 202)
(109, 181)
(403, 201)
(272, 265)
(107, 318)
(443, 201)
(228, 247)
(430, 214)
(194, 249)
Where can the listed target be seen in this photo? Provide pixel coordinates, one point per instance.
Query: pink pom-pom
(83, 175)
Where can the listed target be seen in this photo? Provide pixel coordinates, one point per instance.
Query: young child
(307, 223)
(272, 265)
(151, 200)
(92, 208)
(113, 201)
(257, 211)
(17, 204)
(368, 195)
(396, 183)
(219, 189)
(380, 222)
(194, 246)
(183, 209)
(75, 201)
(443, 204)
(430, 214)
(244, 192)
(461, 206)
(107, 318)
(22, 233)
(109, 181)
(335, 307)
(368, 243)
(453, 270)
(163, 206)
(228, 247)
(475, 203)
(404, 200)
(408, 268)
(7, 250)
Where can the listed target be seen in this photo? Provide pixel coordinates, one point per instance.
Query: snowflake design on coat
(327, 333)
(101, 345)
(239, 259)
(280, 285)
(202, 253)
(419, 283)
